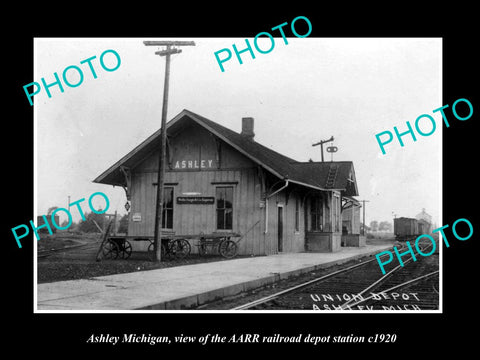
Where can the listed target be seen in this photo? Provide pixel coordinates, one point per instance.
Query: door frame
(280, 227)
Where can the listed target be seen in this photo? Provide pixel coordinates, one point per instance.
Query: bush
(88, 226)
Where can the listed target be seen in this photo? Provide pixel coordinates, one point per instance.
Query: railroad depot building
(220, 181)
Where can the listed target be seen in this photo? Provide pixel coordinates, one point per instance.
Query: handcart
(172, 246)
(218, 242)
(120, 247)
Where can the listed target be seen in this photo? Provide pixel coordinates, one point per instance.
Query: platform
(181, 287)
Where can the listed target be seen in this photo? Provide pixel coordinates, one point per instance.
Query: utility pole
(157, 237)
(364, 201)
(69, 230)
(321, 144)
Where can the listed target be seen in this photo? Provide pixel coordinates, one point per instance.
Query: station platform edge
(183, 287)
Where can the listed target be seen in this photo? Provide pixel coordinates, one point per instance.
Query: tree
(374, 225)
(65, 223)
(51, 209)
(88, 225)
(385, 226)
(123, 224)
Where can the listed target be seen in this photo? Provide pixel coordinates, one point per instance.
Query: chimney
(247, 128)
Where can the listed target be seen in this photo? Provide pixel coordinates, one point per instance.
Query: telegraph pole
(157, 237)
(364, 201)
(321, 144)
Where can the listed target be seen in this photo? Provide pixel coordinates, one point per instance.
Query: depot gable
(236, 150)
(194, 148)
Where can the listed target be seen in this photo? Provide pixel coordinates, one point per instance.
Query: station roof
(329, 175)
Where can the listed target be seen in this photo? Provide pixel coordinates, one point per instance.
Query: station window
(167, 219)
(316, 213)
(224, 204)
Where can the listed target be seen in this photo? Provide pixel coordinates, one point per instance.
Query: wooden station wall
(198, 163)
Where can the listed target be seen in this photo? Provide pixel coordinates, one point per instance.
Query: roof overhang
(114, 176)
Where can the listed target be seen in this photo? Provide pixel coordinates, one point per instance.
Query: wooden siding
(351, 220)
(196, 144)
(293, 241)
(229, 168)
(247, 213)
(194, 218)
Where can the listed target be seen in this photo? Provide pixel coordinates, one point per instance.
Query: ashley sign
(193, 164)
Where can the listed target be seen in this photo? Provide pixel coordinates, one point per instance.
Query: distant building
(424, 222)
(41, 221)
(424, 216)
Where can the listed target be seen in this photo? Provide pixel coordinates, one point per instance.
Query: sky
(298, 94)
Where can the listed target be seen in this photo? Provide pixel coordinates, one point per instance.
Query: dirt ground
(60, 241)
(79, 261)
(74, 257)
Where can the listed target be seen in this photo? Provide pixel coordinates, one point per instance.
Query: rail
(292, 289)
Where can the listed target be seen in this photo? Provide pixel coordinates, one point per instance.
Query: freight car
(405, 228)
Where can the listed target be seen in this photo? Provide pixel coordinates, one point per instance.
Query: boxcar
(405, 228)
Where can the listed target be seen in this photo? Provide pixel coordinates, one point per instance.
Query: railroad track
(80, 251)
(362, 287)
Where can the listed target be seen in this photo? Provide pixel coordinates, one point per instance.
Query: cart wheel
(202, 248)
(180, 248)
(110, 250)
(151, 247)
(228, 249)
(127, 250)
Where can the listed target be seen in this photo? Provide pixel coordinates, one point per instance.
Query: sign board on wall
(194, 164)
(195, 200)
(136, 217)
